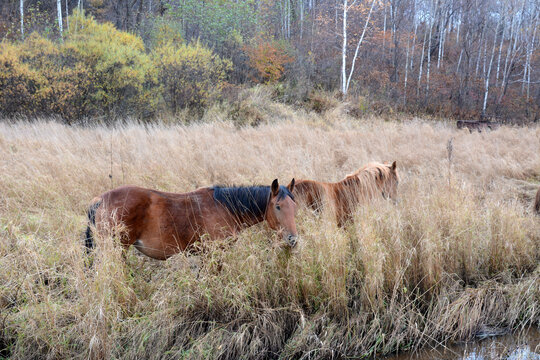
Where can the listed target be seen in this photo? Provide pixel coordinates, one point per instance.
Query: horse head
(389, 181)
(281, 211)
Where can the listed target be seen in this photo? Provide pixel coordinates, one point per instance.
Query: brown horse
(537, 202)
(162, 224)
(343, 197)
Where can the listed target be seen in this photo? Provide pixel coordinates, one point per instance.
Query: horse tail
(88, 238)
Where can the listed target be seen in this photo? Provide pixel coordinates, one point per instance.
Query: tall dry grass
(459, 253)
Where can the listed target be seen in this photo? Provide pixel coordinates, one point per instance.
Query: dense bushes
(116, 65)
(189, 75)
(268, 58)
(19, 84)
(99, 70)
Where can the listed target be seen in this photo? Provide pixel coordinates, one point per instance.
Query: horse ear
(393, 166)
(291, 185)
(275, 187)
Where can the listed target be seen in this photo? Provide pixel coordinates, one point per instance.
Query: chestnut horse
(537, 202)
(161, 224)
(343, 197)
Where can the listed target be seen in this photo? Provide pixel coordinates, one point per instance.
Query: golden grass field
(458, 254)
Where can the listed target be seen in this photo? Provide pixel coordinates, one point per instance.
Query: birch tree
(59, 12)
(407, 56)
(22, 17)
(428, 59)
(344, 50)
(67, 15)
(500, 52)
(346, 81)
(421, 66)
(487, 76)
(529, 55)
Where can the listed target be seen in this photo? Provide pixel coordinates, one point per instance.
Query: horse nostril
(292, 240)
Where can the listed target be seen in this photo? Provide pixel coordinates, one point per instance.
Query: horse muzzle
(291, 240)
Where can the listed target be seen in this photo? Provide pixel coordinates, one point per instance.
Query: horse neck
(362, 183)
(303, 187)
(247, 220)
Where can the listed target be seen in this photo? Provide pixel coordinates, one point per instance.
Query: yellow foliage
(167, 34)
(21, 87)
(268, 58)
(189, 74)
(96, 70)
(99, 70)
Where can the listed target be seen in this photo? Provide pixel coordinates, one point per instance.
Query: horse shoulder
(216, 219)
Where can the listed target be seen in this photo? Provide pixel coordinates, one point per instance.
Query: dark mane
(247, 200)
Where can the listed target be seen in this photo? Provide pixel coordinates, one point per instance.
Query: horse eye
(278, 207)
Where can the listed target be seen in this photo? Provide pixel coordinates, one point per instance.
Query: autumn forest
(465, 59)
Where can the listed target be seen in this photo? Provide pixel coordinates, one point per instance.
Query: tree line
(455, 58)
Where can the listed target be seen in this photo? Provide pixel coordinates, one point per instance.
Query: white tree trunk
(479, 51)
(440, 45)
(384, 33)
(67, 15)
(485, 57)
(420, 70)
(288, 19)
(428, 60)
(459, 61)
(406, 72)
(486, 92)
(301, 18)
(509, 59)
(407, 57)
(529, 55)
(358, 45)
(509, 50)
(282, 18)
(414, 37)
(499, 57)
(443, 42)
(59, 12)
(458, 28)
(22, 17)
(344, 51)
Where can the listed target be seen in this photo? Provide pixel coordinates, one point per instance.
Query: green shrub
(97, 70)
(116, 64)
(189, 74)
(21, 86)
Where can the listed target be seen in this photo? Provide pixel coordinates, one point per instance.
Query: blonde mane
(343, 197)
(372, 174)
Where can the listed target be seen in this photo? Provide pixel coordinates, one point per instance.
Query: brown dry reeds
(455, 255)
